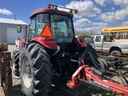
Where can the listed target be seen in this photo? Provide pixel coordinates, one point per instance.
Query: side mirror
(19, 28)
(31, 29)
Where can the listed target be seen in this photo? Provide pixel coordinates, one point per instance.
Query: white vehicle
(114, 40)
(89, 40)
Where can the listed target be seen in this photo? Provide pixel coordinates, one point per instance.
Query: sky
(92, 15)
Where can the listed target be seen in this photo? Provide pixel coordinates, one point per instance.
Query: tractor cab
(52, 25)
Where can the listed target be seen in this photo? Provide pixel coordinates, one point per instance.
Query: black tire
(115, 51)
(91, 56)
(16, 56)
(92, 51)
(103, 63)
(93, 60)
(35, 71)
(16, 63)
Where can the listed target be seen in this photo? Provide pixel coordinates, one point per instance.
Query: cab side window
(98, 39)
(108, 38)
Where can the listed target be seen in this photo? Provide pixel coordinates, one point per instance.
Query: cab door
(98, 40)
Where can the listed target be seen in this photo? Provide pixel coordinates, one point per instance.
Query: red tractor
(52, 54)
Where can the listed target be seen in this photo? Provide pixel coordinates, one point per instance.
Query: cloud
(5, 11)
(122, 13)
(121, 2)
(107, 16)
(86, 25)
(125, 23)
(80, 5)
(92, 17)
(92, 30)
(100, 2)
(117, 15)
(81, 24)
(99, 24)
(96, 27)
(82, 20)
(85, 8)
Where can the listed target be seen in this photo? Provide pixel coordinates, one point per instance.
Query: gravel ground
(84, 90)
(1, 92)
(15, 91)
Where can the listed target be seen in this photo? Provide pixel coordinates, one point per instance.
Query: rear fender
(48, 43)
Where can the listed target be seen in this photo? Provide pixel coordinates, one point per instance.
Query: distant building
(8, 29)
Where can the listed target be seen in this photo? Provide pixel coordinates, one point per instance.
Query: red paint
(48, 43)
(91, 76)
(113, 86)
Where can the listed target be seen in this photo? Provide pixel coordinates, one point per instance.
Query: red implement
(89, 75)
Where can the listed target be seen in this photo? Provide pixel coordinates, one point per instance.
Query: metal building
(8, 29)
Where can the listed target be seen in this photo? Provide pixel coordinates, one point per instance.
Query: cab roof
(50, 10)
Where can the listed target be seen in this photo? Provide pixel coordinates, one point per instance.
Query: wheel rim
(27, 81)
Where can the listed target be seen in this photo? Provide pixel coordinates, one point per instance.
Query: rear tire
(115, 53)
(35, 71)
(16, 63)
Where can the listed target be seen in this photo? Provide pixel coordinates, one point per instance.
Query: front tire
(35, 71)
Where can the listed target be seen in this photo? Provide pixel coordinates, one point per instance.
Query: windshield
(62, 28)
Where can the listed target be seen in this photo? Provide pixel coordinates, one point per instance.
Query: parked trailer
(5, 69)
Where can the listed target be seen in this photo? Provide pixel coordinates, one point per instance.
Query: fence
(5, 69)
